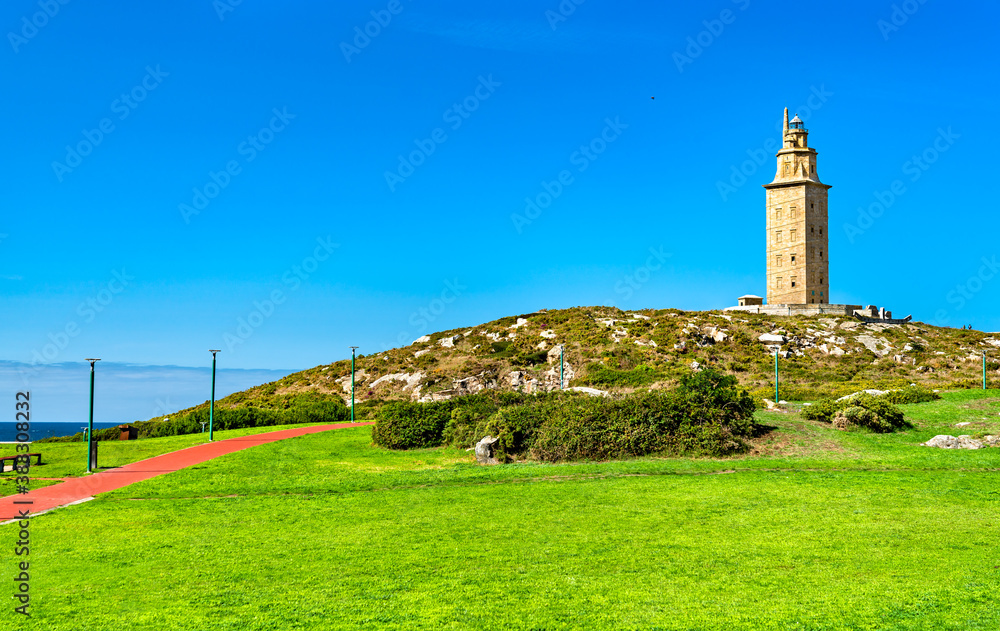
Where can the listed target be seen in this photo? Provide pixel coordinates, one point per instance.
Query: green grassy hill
(618, 351)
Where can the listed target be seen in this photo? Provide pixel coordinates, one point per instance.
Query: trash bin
(128, 432)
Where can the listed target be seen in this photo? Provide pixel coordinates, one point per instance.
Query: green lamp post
(776, 397)
(562, 380)
(90, 425)
(353, 350)
(211, 405)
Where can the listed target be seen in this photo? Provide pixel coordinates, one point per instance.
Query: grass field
(816, 529)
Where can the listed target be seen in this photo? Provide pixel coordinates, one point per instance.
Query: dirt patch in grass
(787, 434)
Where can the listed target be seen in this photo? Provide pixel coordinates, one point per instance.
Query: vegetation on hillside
(618, 352)
(706, 414)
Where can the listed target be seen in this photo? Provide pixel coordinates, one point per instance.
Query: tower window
(777, 215)
(781, 282)
(793, 259)
(777, 236)
(792, 211)
(821, 231)
(793, 281)
(821, 254)
(778, 261)
(791, 236)
(814, 293)
(820, 281)
(812, 205)
(812, 229)
(814, 168)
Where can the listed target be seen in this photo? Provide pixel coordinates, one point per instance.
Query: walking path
(75, 490)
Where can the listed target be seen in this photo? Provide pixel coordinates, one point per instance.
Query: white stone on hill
(594, 392)
(873, 343)
(874, 393)
(411, 380)
(520, 322)
(548, 334)
(449, 342)
(769, 338)
(944, 441)
(422, 339)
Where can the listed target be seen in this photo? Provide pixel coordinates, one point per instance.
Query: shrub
(863, 410)
(639, 376)
(705, 414)
(874, 413)
(913, 394)
(823, 410)
(405, 425)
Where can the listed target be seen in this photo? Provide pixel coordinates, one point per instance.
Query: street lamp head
(90, 359)
(214, 351)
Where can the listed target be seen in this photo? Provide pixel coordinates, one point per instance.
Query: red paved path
(76, 489)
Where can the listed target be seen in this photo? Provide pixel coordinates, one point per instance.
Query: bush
(913, 394)
(706, 414)
(405, 425)
(639, 376)
(823, 410)
(874, 413)
(863, 410)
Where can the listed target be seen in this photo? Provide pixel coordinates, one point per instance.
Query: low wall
(799, 310)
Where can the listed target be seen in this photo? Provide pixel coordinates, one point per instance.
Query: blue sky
(191, 175)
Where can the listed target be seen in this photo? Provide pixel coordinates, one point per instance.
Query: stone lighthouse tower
(797, 231)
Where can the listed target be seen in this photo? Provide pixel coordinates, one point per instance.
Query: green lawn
(820, 530)
(61, 460)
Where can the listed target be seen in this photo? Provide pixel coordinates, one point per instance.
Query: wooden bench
(3, 461)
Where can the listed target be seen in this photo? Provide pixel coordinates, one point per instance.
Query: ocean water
(8, 430)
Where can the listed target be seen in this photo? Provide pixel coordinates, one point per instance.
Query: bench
(3, 461)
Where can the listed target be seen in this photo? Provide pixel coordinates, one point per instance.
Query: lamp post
(562, 381)
(211, 405)
(90, 425)
(776, 397)
(353, 350)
